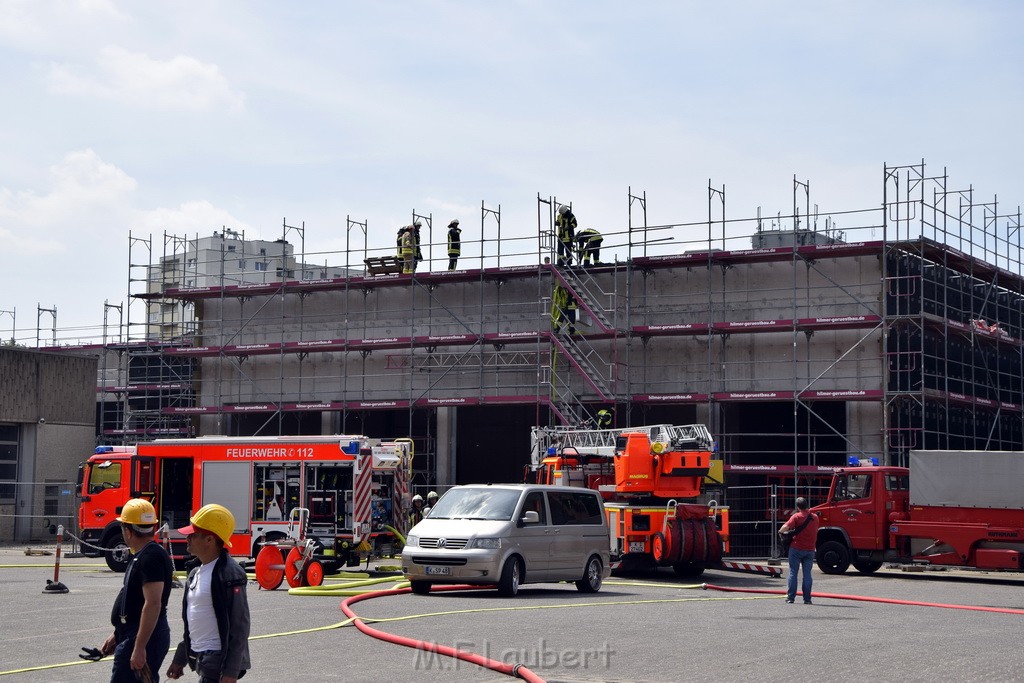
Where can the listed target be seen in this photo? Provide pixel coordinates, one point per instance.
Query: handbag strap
(803, 524)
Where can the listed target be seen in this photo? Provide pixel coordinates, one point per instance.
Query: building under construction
(798, 342)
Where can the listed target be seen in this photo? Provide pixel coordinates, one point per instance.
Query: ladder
(602, 441)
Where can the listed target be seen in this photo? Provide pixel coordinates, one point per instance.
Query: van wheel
(511, 574)
(592, 576)
(119, 554)
(420, 587)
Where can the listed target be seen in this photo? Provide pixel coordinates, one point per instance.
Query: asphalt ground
(648, 627)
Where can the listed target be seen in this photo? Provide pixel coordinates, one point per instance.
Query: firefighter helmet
(139, 512)
(214, 518)
(563, 209)
(417, 224)
(432, 497)
(454, 223)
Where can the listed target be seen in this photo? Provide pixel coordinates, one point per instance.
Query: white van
(508, 535)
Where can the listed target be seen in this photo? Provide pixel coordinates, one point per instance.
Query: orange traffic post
(56, 586)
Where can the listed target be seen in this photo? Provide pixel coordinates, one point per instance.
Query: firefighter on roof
(454, 243)
(589, 243)
(408, 242)
(604, 419)
(565, 227)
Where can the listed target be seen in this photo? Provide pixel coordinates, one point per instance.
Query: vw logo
(442, 542)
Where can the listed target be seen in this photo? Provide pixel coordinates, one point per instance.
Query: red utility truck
(950, 508)
(338, 490)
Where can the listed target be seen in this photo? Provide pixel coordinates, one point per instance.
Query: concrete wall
(52, 399)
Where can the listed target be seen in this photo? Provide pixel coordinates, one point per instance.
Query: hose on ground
(866, 598)
(514, 670)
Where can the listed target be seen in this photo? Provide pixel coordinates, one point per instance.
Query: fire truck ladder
(602, 441)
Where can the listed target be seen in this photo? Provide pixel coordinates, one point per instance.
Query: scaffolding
(799, 343)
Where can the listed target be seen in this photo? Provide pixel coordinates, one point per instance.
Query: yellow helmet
(139, 512)
(214, 518)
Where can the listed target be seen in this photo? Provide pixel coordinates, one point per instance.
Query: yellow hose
(350, 588)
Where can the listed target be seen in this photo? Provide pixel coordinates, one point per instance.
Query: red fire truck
(950, 508)
(349, 493)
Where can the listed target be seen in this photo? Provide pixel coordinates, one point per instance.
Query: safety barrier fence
(757, 512)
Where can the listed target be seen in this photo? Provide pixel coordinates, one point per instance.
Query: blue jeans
(156, 650)
(798, 559)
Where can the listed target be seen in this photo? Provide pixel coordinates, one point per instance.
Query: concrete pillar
(446, 445)
(330, 422)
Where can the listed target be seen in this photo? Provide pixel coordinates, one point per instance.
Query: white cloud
(188, 219)
(138, 80)
(83, 190)
(41, 25)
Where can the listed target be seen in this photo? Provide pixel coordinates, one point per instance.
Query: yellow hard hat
(138, 511)
(214, 518)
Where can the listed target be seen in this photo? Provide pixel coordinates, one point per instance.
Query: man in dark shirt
(141, 634)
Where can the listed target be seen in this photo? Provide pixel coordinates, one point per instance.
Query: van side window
(573, 507)
(535, 501)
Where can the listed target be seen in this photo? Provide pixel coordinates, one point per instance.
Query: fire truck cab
(347, 492)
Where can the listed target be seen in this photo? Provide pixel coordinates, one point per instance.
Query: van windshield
(472, 503)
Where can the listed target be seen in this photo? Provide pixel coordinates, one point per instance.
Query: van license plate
(636, 546)
(439, 570)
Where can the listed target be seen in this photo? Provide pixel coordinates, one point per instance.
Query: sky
(127, 121)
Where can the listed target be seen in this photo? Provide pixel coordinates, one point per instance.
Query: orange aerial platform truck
(644, 474)
(348, 494)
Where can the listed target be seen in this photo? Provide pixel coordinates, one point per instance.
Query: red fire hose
(864, 598)
(515, 670)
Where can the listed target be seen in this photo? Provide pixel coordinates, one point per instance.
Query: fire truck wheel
(269, 568)
(688, 570)
(314, 573)
(292, 574)
(658, 547)
(866, 566)
(833, 558)
(593, 575)
(420, 587)
(119, 554)
(511, 574)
